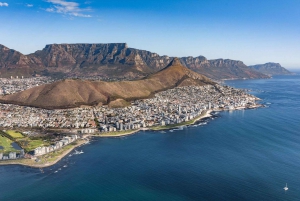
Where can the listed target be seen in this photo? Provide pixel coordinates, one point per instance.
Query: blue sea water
(239, 155)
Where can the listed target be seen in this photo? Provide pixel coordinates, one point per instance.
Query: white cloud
(29, 5)
(67, 7)
(50, 10)
(3, 4)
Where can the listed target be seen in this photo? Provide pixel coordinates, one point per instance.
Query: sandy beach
(205, 115)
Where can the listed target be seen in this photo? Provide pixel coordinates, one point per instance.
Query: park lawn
(14, 134)
(6, 144)
(32, 144)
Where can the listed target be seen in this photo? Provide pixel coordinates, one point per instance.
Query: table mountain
(270, 69)
(113, 60)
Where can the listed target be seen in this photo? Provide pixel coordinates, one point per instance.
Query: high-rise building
(22, 153)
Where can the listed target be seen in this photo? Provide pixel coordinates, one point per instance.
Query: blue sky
(253, 31)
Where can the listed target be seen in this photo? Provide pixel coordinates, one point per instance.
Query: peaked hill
(73, 93)
(111, 60)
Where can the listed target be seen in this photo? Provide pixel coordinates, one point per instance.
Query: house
(12, 155)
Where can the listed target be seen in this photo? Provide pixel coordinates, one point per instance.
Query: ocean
(236, 155)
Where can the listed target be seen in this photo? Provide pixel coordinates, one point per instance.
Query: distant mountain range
(75, 92)
(270, 69)
(111, 60)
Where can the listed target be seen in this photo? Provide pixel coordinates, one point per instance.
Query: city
(171, 107)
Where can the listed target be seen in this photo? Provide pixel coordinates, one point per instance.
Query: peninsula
(52, 119)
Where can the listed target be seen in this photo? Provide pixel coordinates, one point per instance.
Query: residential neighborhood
(16, 84)
(12, 155)
(168, 107)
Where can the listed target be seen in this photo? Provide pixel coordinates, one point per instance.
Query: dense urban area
(170, 107)
(17, 84)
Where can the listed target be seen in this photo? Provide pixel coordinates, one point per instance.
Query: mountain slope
(116, 60)
(73, 93)
(15, 63)
(270, 69)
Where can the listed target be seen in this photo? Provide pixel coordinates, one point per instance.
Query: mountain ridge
(114, 60)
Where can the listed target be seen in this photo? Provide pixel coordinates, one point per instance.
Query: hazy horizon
(254, 32)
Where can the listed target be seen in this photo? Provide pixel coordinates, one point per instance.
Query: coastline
(118, 133)
(205, 114)
(33, 164)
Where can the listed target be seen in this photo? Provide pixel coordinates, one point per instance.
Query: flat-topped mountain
(112, 60)
(271, 69)
(73, 93)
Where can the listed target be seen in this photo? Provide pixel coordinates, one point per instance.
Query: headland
(48, 121)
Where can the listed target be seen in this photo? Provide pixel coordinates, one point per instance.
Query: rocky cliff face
(271, 69)
(80, 55)
(114, 60)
